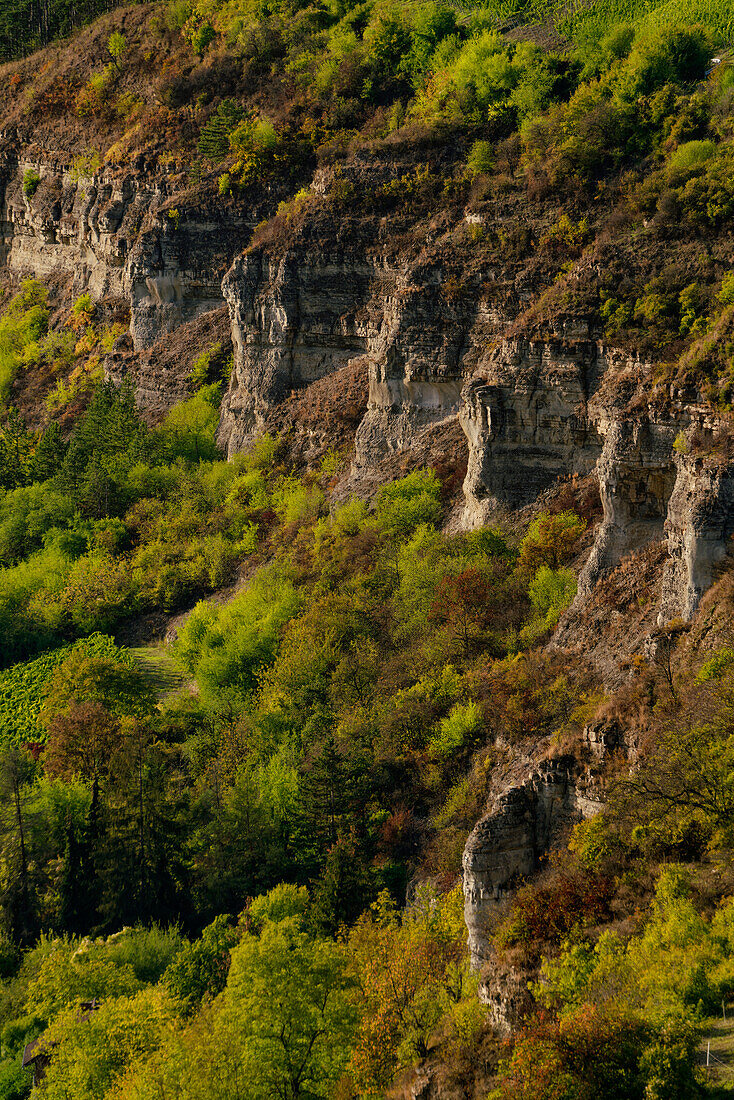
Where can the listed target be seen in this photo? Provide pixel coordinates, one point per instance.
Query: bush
(690, 156)
(31, 180)
(549, 912)
(214, 138)
(226, 648)
(190, 427)
(665, 54)
(550, 541)
(726, 293)
(481, 158)
(551, 591)
(455, 730)
(403, 505)
(200, 968)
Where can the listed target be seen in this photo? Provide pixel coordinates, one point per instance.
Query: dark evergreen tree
(78, 888)
(344, 889)
(49, 454)
(214, 137)
(15, 451)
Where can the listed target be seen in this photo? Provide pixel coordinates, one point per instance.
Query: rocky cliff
(401, 340)
(525, 819)
(427, 324)
(120, 235)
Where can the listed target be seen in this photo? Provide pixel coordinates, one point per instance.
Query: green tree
(201, 967)
(550, 541)
(116, 46)
(18, 891)
(289, 997)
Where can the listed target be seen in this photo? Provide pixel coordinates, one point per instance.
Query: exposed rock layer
(506, 844)
(118, 235)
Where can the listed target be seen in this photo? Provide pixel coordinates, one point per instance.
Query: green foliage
(86, 164)
(481, 158)
(726, 292)
(15, 1083)
(225, 649)
(24, 688)
(551, 591)
(403, 505)
(549, 542)
(690, 156)
(31, 180)
(191, 426)
(21, 31)
(90, 1057)
(256, 146)
(716, 666)
(150, 952)
(200, 968)
(23, 324)
(116, 46)
(455, 730)
(214, 138)
(666, 54)
(285, 1023)
(202, 365)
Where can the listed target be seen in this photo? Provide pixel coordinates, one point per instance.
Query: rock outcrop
(537, 411)
(311, 313)
(74, 224)
(505, 846)
(527, 420)
(699, 526)
(118, 234)
(294, 321)
(175, 270)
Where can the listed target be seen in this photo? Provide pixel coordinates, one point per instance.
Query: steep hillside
(374, 362)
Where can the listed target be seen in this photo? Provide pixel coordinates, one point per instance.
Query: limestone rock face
(536, 411)
(636, 477)
(699, 526)
(504, 990)
(505, 845)
(526, 417)
(75, 225)
(175, 269)
(311, 313)
(294, 321)
(117, 235)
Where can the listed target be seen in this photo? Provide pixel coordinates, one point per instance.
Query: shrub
(85, 165)
(726, 293)
(213, 140)
(551, 591)
(255, 144)
(116, 46)
(177, 13)
(201, 967)
(454, 731)
(481, 158)
(31, 180)
(403, 505)
(202, 365)
(226, 648)
(190, 427)
(550, 541)
(690, 156)
(548, 912)
(666, 54)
